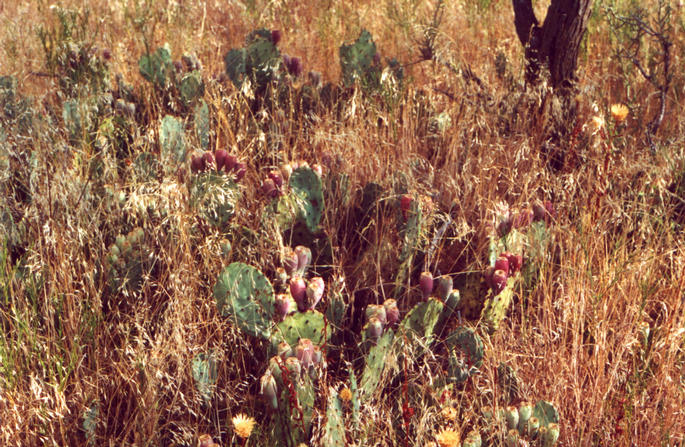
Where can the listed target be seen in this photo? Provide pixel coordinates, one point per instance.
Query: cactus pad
(376, 361)
(171, 138)
(334, 434)
(357, 61)
(214, 196)
(156, 67)
(546, 413)
(422, 319)
(245, 294)
(466, 354)
(310, 324)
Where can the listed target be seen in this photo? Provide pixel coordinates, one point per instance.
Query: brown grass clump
(601, 334)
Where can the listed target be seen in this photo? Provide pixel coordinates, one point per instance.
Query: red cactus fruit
(230, 161)
(240, 170)
(314, 292)
(405, 204)
(376, 311)
(196, 164)
(294, 366)
(298, 290)
(269, 188)
(515, 262)
(304, 351)
(276, 35)
(287, 62)
(499, 281)
(502, 263)
(392, 312)
(374, 328)
(304, 258)
(208, 159)
(277, 178)
(282, 306)
(290, 260)
(426, 284)
(295, 68)
(220, 156)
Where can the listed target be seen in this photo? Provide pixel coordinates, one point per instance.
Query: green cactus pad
(156, 67)
(495, 307)
(214, 197)
(354, 388)
(310, 324)
(308, 193)
(171, 138)
(471, 292)
(466, 354)
(191, 88)
(423, 318)
(258, 61)
(546, 413)
(376, 361)
(204, 371)
(244, 293)
(357, 61)
(334, 431)
(201, 121)
(449, 308)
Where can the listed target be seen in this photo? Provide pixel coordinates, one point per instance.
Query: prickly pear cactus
(310, 324)
(245, 294)
(201, 122)
(305, 203)
(496, 306)
(546, 413)
(258, 62)
(334, 431)
(157, 67)
(422, 319)
(466, 354)
(204, 371)
(127, 262)
(412, 234)
(171, 138)
(376, 361)
(191, 87)
(450, 305)
(214, 197)
(359, 62)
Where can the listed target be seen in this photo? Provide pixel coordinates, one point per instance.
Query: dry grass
(574, 339)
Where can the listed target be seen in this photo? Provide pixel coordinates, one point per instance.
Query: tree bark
(555, 43)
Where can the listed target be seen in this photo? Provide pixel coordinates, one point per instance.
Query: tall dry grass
(576, 339)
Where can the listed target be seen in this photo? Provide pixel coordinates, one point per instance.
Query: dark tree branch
(524, 19)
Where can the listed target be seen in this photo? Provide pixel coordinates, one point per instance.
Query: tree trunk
(556, 42)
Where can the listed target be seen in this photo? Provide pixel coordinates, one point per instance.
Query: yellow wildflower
(449, 413)
(619, 112)
(448, 438)
(243, 425)
(345, 394)
(597, 123)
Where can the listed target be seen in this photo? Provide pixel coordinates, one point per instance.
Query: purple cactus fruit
(107, 54)
(499, 281)
(276, 35)
(298, 290)
(502, 263)
(444, 286)
(277, 178)
(196, 164)
(304, 351)
(392, 312)
(282, 306)
(487, 276)
(304, 258)
(220, 156)
(515, 262)
(295, 68)
(240, 170)
(229, 162)
(314, 292)
(290, 260)
(208, 160)
(376, 311)
(377, 59)
(374, 328)
(286, 62)
(539, 212)
(551, 211)
(269, 189)
(426, 284)
(405, 204)
(314, 78)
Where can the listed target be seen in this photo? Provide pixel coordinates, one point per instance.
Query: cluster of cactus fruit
(524, 424)
(220, 161)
